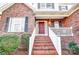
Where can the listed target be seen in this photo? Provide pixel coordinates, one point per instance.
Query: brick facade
(64, 44)
(0, 17)
(22, 10)
(71, 21)
(18, 10)
(0, 22)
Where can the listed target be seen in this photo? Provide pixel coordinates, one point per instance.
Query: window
(41, 5)
(17, 24)
(63, 8)
(45, 5)
(50, 5)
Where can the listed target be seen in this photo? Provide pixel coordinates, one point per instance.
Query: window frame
(51, 5)
(63, 7)
(45, 6)
(22, 29)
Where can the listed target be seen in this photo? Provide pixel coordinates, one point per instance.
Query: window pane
(62, 8)
(17, 27)
(38, 6)
(41, 5)
(50, 5)
(45, 5)
(16, 24)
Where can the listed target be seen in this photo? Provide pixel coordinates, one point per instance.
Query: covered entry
(41, 28)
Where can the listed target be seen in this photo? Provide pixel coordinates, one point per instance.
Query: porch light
(49, 23)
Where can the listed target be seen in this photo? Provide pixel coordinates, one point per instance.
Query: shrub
(26, 39)
(8, 43)
(74, 48)
(72, 45)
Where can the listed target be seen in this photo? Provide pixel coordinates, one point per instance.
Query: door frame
(37, 28)
(42, 24)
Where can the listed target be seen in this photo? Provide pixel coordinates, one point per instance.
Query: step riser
(43, 49)
(43, 46)
(46, 48)
(42, 41)
(44, 52)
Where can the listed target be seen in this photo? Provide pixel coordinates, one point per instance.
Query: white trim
(56, 24)
(56, 41)
(41, 34)
(64, 28)
(55, 15)
(66, 35)
(13, 23)
(32, 41)
(4, 7)
(71, 30)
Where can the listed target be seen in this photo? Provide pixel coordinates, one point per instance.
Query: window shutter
(66, 7)
(26, 24)
(38, 5)
(7, 24)
(53, 6)
(60, 8)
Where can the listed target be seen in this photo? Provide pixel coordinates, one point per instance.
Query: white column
(56, 24)
(37, 27)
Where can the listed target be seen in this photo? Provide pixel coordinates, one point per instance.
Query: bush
(72, 45)
(26, 39)
(8, 43)
(74, 48)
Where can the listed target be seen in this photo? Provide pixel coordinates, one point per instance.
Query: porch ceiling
(49, 17)
(50, 12)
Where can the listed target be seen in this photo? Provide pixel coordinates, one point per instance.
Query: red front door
(41, 28)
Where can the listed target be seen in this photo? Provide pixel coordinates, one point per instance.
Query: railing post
(56, 40)
(32, 41)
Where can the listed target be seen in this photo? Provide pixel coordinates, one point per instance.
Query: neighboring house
(56, 23)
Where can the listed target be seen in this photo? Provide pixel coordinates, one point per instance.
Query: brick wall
(0, 22)
(64, 44)
(65, 40)
(71, 21)
(0, 17)
(18, 10)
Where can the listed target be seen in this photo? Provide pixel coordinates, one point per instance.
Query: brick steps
(42, 41)
(43, 46)
(44, 52)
